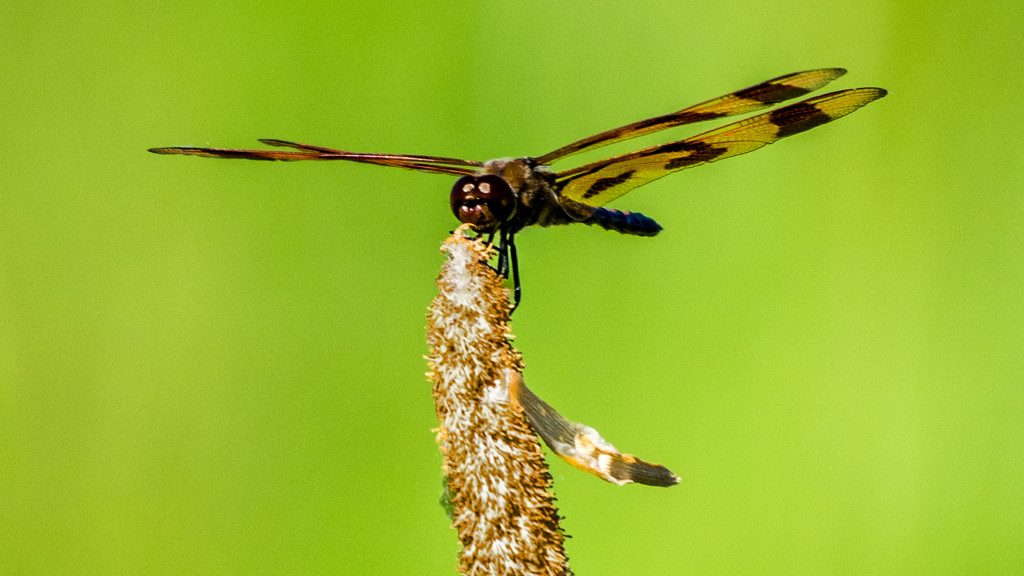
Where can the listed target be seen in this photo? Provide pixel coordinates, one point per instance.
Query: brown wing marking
(756, 97)
(600, 182)
(434, 164)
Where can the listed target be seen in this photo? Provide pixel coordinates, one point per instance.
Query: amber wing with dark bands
(601, 182)
(756, 97)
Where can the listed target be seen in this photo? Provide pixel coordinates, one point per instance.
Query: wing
(756, 97)
(601, 182)
(434, 164)
(581, 445)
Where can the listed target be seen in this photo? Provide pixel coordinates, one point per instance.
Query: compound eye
(484, 201)
(498, 194)
(463, 188)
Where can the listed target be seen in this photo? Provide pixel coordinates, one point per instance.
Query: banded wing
(756, 97)
(433, 164)
(601, 182)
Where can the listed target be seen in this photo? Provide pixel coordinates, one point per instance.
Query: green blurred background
(215, 367)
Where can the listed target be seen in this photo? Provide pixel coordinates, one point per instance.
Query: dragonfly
(503, 196)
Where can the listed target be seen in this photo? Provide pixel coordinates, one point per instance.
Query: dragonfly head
(485, 201)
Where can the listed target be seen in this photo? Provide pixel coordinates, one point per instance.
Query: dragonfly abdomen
(624, 222)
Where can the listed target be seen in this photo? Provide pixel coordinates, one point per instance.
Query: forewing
(756, 97)
(434, 164)
(601, 182)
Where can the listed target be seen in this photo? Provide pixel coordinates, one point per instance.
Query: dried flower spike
(499, 484)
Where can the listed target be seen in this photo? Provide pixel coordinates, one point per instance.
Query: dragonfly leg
(508, 261)
(502, 268)
(517, 287)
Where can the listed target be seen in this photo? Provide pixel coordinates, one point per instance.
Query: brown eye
(485, 201)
